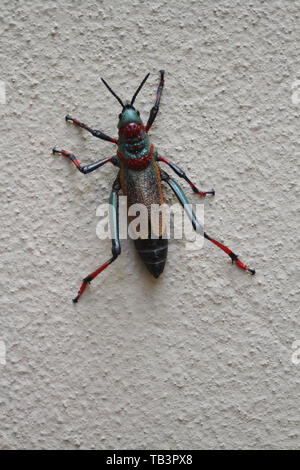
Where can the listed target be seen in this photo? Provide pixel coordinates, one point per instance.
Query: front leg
(94, 132)
(182, 174)
(86, 168)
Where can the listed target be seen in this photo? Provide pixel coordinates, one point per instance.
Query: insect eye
(138, 113)
(120, 115)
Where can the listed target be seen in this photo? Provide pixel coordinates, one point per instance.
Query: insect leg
(197, 227)
(86, 168)
(155, 108)
(116, 247)
(182, 174)
(94, 132)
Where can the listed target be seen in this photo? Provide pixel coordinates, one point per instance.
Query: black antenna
(139, 88)
(112, 92)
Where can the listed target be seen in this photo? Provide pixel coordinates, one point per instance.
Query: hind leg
(197, 227)
(116, 247)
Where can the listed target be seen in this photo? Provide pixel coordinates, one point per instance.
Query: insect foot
(240, 264)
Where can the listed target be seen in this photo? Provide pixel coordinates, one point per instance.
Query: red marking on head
(131, 129)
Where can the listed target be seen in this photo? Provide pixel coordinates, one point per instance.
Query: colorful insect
(139, 178)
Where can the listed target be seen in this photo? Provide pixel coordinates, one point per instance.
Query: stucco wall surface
(202, 357)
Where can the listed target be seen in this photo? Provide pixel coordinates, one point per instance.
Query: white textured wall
(201, 358)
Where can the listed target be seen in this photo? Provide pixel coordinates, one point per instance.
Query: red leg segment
(230, 253)
(92, 276)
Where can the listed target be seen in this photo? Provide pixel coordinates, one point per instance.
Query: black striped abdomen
(154, 253)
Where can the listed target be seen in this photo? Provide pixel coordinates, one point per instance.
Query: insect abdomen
(153, 252)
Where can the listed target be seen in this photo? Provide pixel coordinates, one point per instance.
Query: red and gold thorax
(139, 163)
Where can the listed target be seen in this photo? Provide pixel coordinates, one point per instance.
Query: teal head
(133, 138)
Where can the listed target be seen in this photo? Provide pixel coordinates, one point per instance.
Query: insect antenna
(139, 88)
(112, 92)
